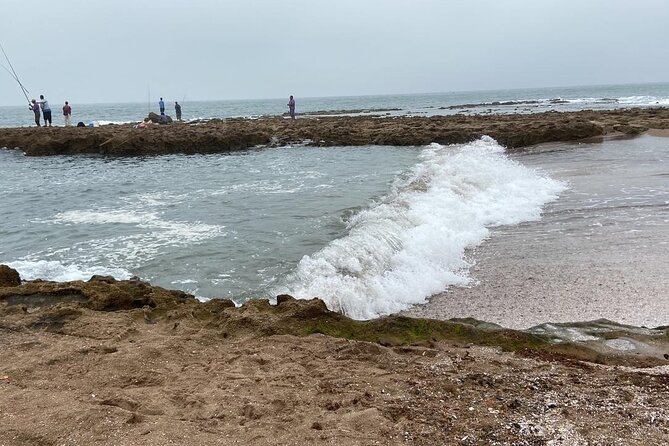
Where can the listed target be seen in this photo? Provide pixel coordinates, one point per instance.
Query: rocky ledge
(214, 136)
(124, 362)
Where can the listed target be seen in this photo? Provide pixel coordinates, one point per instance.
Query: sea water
(428, 104)
(371, 230)
(411, 244)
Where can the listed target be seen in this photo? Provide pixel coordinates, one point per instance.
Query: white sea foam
(412, 244)
(131, 250)
(154, 199)
(643, 100)
(104, 217)
(59, 272)
(107, 122)
(260, 187)
(184, 281)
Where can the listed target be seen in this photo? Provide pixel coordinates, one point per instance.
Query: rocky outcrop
(514, 131)
(158, 119)
(9, 276)
(100, 293)
(125, 360)
(57, 305)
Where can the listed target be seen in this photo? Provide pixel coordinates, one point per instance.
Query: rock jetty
(215, 136)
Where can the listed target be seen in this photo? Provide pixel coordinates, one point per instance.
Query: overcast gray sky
(110, 51)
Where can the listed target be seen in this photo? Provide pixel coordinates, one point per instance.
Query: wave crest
(412, 243)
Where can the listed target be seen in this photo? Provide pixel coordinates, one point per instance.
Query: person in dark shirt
(177, 110)
(34, 106)
(67, 114)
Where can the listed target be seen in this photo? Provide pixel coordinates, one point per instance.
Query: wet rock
(302, 308)
(630, 129)
(281, 298)
(46, 299)
(9, 276)
(105, 279)
(157, 119)
(217, 136)
(218, 305)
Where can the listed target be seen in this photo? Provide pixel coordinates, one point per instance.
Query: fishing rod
(7, 70)
(15, 76)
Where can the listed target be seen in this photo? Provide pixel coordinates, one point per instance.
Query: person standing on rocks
(161, 104)
(291, 107)
(177, 110)
(67, 114)
(46, 110)
(34, 106)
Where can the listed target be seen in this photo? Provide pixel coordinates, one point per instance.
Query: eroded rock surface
(215, 136)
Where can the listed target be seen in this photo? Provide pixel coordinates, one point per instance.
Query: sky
(100, 51)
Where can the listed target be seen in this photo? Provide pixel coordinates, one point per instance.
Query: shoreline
(596, 252)
(123, 362)
(514, 131)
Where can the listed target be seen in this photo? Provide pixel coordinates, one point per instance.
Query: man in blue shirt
(162, 106)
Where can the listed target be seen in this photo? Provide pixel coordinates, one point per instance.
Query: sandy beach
(123, 363)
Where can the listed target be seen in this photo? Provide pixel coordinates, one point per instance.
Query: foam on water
(59, 272)
(130, 250)
(412, 244)
(121, 216)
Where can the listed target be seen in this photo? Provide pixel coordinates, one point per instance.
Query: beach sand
(123, 363)
(527, 286)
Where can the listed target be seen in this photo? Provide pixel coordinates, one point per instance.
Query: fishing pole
(15, 76)
(7, 70)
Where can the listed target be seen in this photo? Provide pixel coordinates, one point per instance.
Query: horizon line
(377, 94)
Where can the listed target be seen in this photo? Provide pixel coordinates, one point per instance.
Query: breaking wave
(412, 244)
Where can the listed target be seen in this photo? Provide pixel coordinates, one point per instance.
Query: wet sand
(600, 251)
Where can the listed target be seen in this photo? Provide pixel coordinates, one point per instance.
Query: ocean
(477, 102)
(370, 230)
